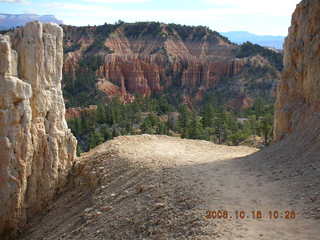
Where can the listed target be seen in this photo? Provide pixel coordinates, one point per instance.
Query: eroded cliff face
(153, 58)
(298, 94)
(36, 146)
(146, 67)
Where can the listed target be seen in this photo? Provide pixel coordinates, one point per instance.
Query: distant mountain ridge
(263, 40)
(8, 21)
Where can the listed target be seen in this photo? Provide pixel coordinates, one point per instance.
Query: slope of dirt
(158, 187)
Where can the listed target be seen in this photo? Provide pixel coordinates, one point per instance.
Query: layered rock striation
(36, 147)
(298, 95)
(154, 58)
(147, 74)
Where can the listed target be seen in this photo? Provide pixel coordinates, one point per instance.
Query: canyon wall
(145, 75)
(298, 94)
(36, 146)
(154, 58)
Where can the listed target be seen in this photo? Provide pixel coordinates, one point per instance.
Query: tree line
(212, 122)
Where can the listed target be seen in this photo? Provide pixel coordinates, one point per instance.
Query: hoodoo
(36, 146)
(149, 58)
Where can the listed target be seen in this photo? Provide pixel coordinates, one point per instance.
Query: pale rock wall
(36, 147)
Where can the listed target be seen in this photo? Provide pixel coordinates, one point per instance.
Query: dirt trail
(158, 187)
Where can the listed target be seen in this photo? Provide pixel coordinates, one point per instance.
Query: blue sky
(270, 17)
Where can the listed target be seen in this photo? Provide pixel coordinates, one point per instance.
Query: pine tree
(208, 116)
(79, 150)
(84, 123)
(99, 138)
(107, 133)
(183, 121)
(266, 128)
(220, 126)
(162, 129)
(129, 128)
(115, 133)
(77, 126)
(92, 141)
(146, 126)
(101, 114)
(195, 128)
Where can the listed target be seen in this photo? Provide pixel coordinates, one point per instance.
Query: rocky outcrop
(298, 94)
(242, 102)
(145, 75)
(36, 146)
(152, 58)
(72, 113)
(131, 74)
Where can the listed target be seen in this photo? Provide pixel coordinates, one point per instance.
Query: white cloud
(231, 15)
(270, 7)
(88, 10)
(217, 19)
(12, 1)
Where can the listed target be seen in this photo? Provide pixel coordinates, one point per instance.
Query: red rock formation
(72, 113)
(298, 95)
(131, 74)
(152, 64)
(242, 102)
(143, 76)
(71, 63)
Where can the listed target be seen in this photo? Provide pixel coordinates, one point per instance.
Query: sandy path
(160, 187)
(226, 180)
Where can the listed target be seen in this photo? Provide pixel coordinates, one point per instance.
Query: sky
(270, 17)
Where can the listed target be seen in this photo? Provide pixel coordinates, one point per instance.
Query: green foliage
(213, 123)
(142, 29)
(81, 90)
(238, 137)
(101, 34)
(249, 49)
(184, 120)
(195, 33)
(98, 45)
(195, 130)
(266, 128)
(95, 139)
(72, 48)
(115, 119)
(208, 116)
(151, 124)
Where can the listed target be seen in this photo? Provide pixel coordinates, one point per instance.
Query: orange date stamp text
(254, 214)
